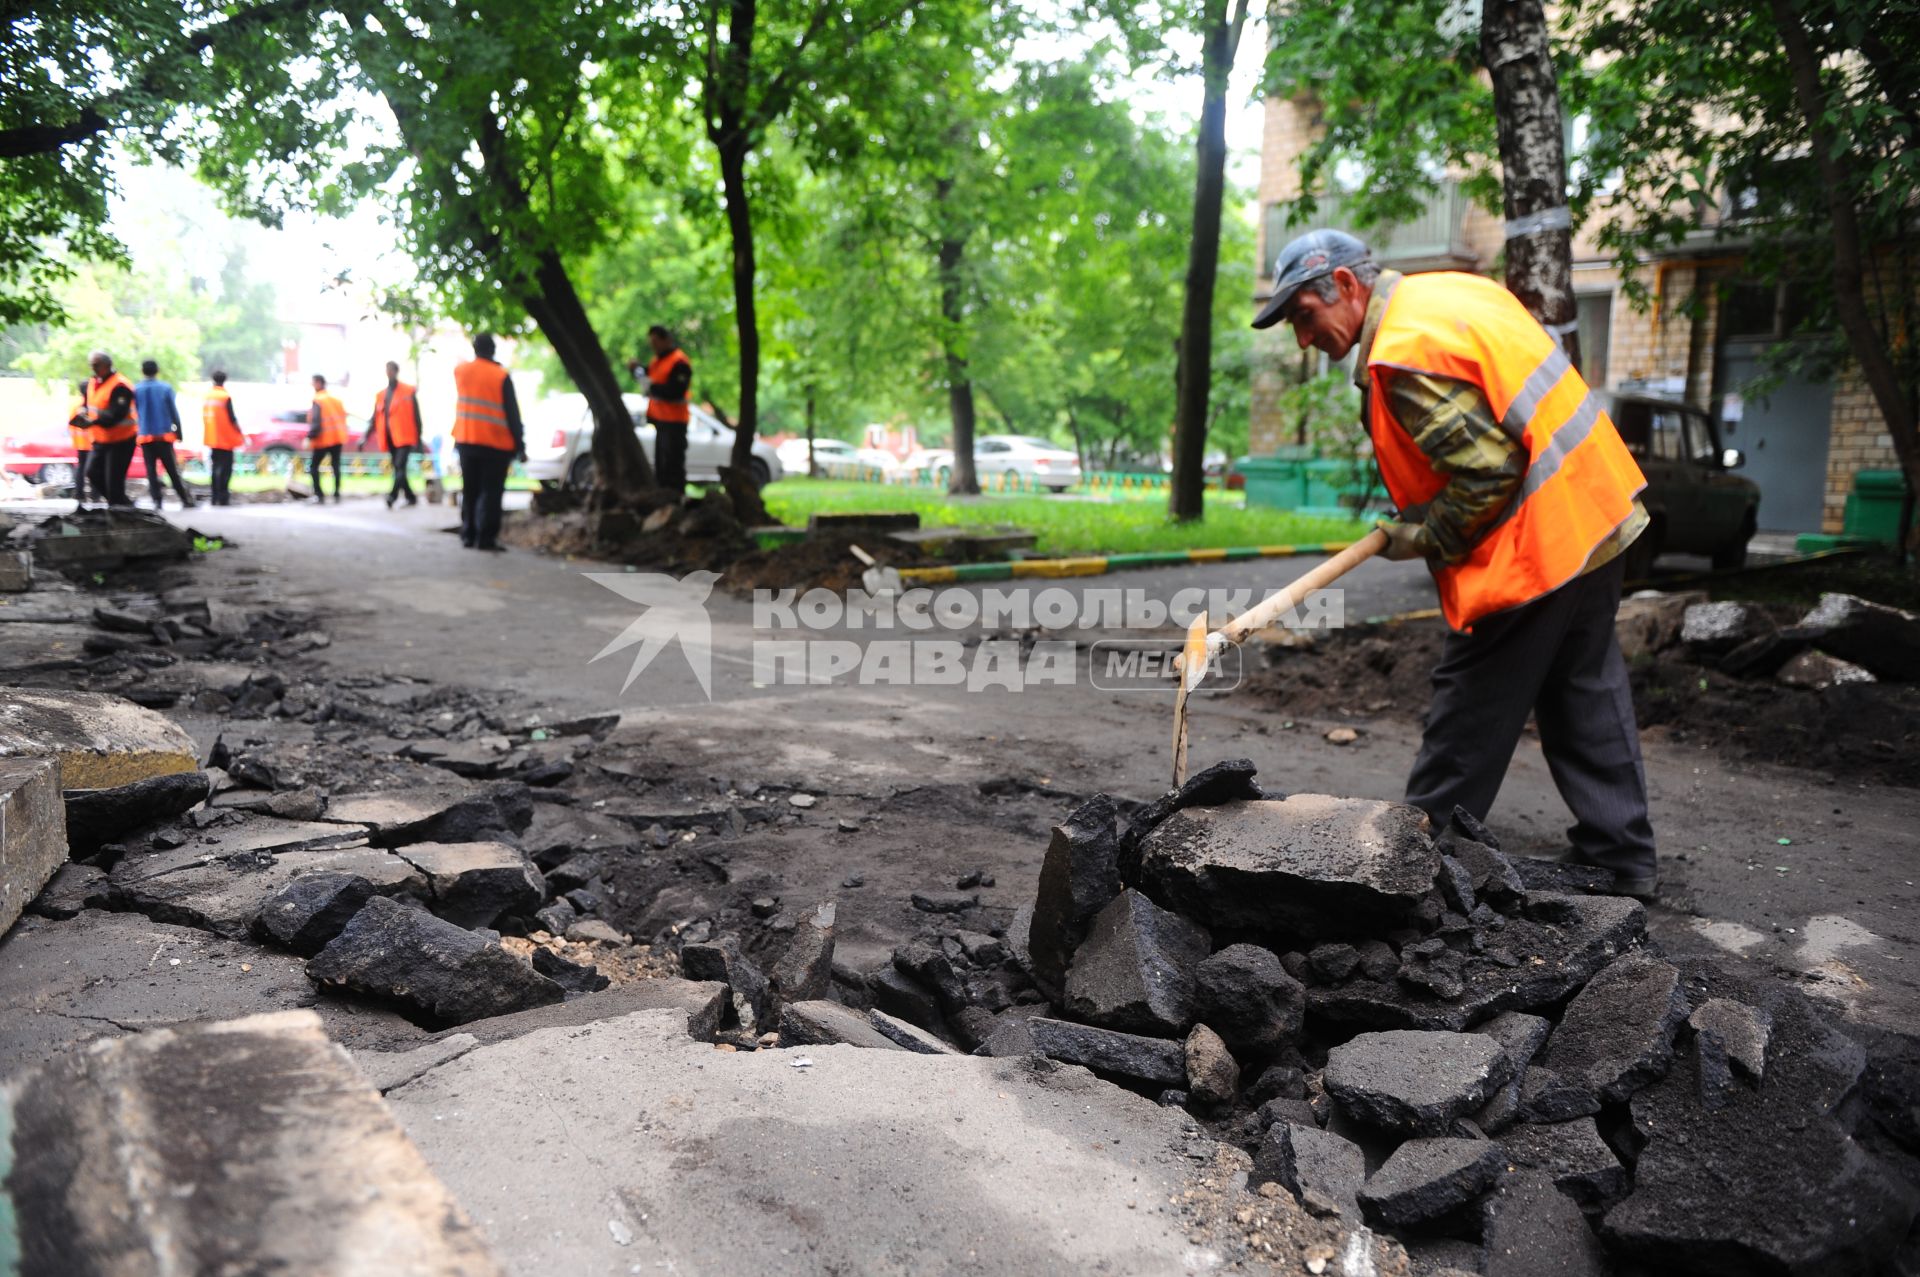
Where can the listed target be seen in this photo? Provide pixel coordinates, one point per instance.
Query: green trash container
(1873, 507)
(1277, 482)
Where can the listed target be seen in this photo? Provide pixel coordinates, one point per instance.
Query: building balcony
(1434, 240)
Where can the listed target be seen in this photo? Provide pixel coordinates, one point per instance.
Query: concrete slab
(246, 1145)
(99, 741)
(197, 886)
(33, 832)
(670, 1156)
(114, 973)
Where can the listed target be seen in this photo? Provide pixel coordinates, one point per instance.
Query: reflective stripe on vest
(216, 421)
(480, 405)
(1580, 480)
(657, 373)
(396, 420)
(99, 393)
(333, 422)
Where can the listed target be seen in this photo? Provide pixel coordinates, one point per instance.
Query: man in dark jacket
(159, 429)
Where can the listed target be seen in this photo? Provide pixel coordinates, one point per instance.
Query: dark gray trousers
(1558, 658)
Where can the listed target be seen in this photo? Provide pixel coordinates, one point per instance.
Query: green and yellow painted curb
(1100, 564)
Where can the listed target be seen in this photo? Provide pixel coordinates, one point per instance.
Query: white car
(793, 454)
(926, 465)
(559, 434)
(1037, 461)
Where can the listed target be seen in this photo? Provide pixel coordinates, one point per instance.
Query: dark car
(1696, 505)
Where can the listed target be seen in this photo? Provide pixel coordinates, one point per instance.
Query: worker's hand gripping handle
(1260, 617)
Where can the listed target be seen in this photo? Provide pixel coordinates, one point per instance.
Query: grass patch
(1067, 525)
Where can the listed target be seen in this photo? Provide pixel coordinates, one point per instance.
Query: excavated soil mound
(1862, 732)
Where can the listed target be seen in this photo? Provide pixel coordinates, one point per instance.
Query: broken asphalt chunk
(1308, 865)
(475, 884)
(445, 972)
(1078, 877)
(1322, 1170)
(1617, 1033)
(1245, 995)
(1426, 1179)
(805, 971)
(33, 832)
(1135, 970)
(1106, 1051)
(1581, 1164)
(1415, 1082)
(96, 816)
(310, 911)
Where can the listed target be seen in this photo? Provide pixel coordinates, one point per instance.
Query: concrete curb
(1101, 564)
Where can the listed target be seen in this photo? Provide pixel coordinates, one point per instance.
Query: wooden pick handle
(1258, 618)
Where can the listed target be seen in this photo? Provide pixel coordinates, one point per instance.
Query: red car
(276, 436)
(48, 457)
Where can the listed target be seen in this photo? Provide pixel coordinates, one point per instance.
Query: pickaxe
(1202, 647)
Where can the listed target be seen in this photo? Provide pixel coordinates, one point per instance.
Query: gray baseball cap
(1304, 260)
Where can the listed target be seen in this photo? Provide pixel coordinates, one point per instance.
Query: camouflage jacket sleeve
(1453, 424)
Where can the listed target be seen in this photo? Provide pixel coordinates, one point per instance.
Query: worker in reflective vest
(1514, 487)
(159, 430)
(669, 374)
(326, 436)
(220, 428)
(488, 435)
(395, 430)
(82, 443)
(114, 423)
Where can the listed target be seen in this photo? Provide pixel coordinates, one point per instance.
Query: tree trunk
(952, 251)
(1193, 367)
(733, 179)
(1869, 345)
(813, 467)
(620, 468)
(1079, 444)
(1533, 163)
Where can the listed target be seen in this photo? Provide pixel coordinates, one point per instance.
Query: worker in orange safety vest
(489, 436)
(1514, 487)
(326, 436)
(113, 422)
(220, 429)
(394, 429)
(82, 443)
(669, 375)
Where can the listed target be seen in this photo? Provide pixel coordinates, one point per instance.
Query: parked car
(559, 437)
(1695, 504)
(1036, 460)
(793, 454)
(48, 457)
(277, 437)
(926, 465)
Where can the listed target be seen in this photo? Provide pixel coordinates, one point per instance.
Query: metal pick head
(1196, 655)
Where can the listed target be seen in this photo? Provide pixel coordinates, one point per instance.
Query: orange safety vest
(77, 430)
(333, 422)
(1580, 482)
(396, 421)
(657, 371)
(216, 421)
(480, 408)
(98, 393)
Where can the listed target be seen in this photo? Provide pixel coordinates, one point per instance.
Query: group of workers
(113, 415)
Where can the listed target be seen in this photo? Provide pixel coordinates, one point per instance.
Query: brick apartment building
(1803, 442)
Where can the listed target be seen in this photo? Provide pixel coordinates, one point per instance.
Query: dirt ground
(1860, 733)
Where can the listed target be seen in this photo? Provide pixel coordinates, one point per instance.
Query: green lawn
(1067, 525)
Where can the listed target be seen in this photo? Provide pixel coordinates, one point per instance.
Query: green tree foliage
(1808, 161)
(80, 76)
(1699, 121)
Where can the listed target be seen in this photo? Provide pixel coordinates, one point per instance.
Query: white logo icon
(675, 609)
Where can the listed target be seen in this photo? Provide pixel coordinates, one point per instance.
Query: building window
(1594, 313)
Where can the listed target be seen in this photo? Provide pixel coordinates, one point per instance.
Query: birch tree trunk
(1533, 163)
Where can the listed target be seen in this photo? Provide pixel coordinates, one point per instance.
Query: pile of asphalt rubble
(1486, 1058)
